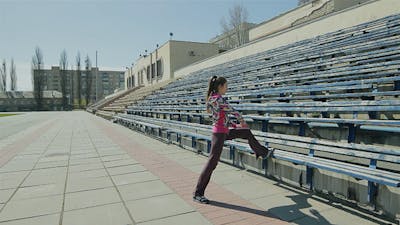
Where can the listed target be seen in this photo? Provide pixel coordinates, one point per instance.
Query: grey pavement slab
(130, 178)
(55, 158)
(80, 152)
(143, 190)
(46, 165)
(84, 155)
(334, 216)
(5, 195)
(46, 176)
(158, 207)
(16, 209)
(230, 177)
(126, 169)
(82, 167)
(32, 157)
(290, 206)
(86, 161)
(52, 219)
(253, 189)
(88, 174)
(114, 214)
(85, 199)
(12, 179)
(84, 184)
(15, 166)
(110, 151)
(39, 191)
(115, 157)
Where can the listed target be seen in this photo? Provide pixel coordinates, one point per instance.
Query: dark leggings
(217, 143)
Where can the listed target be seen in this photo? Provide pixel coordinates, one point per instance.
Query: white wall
(284, 21)
(180, 56)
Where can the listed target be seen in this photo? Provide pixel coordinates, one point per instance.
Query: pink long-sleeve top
(221, 110)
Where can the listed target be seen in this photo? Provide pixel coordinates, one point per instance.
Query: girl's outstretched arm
(224, 105)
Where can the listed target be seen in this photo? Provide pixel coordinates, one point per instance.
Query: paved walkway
(74, 168)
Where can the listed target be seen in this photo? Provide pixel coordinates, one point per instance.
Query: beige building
(107, 83)
(161, 64)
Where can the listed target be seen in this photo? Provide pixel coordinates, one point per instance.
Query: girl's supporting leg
(259, 149)
(217, 143)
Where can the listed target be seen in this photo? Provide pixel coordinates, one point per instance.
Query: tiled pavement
(78, 169)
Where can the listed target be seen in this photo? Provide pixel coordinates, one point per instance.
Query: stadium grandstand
(324, 94)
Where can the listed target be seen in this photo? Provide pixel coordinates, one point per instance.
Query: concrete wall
(186, 53)
(336, 21)
(284, 20)
(302, 14)
(325, 9)
(343, 4)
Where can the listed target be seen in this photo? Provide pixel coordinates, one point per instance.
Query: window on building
(153, 70)
(148, 73)
(160, 69)
(141, 75)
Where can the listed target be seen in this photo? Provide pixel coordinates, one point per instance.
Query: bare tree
(88, 80)
(63, 77)
(13, 76)
(79, 79)
(38, 77)
(72, 87)
(3, 78)
(228, 41)
(235, 27)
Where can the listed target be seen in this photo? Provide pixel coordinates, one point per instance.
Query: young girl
(220, 110)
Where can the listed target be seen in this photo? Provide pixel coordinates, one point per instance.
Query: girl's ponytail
(211, 86)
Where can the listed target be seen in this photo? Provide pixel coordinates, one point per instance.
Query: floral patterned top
(221, 110)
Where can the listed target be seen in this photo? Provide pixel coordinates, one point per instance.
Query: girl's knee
(212, 164)
(248, 133)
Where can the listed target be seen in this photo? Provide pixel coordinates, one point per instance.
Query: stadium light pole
(97, 69)
(72, 88)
